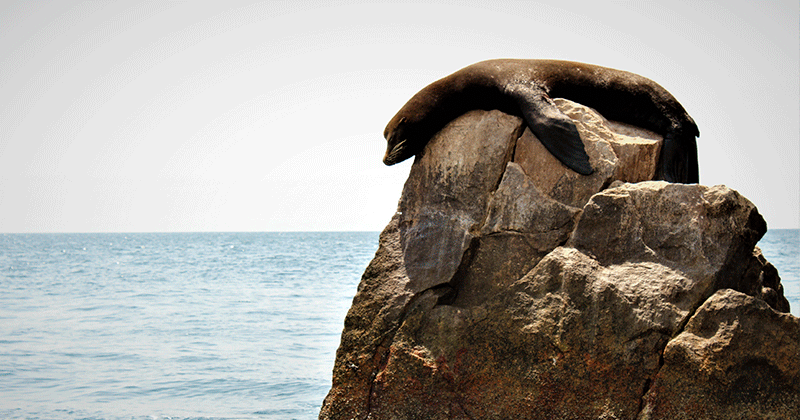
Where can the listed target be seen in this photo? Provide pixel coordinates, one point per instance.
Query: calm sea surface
(183, 325)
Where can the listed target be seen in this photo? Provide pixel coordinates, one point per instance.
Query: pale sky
(127, 116)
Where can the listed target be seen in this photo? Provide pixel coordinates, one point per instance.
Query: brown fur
(524, 87)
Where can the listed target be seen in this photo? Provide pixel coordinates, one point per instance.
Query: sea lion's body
(524, 87)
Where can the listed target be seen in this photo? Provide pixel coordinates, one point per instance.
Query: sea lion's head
(411, 128)
(397, 141)
(420, 119)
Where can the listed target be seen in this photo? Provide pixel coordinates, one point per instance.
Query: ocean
(191, 325)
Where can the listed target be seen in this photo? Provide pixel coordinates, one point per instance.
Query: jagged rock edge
(384, 346)
(650, 381)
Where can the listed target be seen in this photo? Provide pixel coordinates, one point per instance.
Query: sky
(165, 116)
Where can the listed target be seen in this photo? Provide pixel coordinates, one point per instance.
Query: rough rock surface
(735, 359)
(507, 286)
(616, 151)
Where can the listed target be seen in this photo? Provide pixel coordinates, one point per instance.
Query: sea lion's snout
(396, 142)
(395, 151)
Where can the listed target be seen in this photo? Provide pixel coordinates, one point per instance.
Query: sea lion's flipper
(679, 158)
(555, 130)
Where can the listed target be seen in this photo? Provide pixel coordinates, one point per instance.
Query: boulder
(735, 359)
(506, 286)
(444, 200)
(617, 152)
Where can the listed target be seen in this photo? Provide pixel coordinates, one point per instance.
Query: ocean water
(191, 325)
(158, 326)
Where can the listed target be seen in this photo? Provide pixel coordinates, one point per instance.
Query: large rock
(507, 286)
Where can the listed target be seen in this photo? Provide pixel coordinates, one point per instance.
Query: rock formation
(508, 287)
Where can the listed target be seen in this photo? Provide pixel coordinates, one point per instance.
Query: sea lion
(524, 88)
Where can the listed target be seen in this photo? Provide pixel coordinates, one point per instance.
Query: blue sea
(191, 325)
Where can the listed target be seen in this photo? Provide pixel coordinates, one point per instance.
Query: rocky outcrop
(507, 286)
